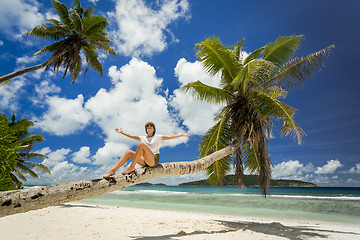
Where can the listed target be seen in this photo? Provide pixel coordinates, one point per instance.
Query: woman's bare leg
(127, 155)
(143, 156)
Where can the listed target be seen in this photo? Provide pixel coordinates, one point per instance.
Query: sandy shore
(78, 221)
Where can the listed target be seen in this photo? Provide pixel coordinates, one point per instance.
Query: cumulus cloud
(134, 99)
(9, 95)
(355, 169)
(197, 115)
(62, 169)
(292, 168)
(82, 156)
(142, 30)
(27, 59)
(329, 168)
(20, 16)
(1, 43)
(45, 88)
(64, 116)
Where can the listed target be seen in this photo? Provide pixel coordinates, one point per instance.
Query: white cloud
(64, 116)
(140, 29)
(20, 16)
(355, 169)
(82, 156)
(329, 168)
(62, 170)
(10, 94)
(45, 88)
(27, 59)
(197, 115)
(1, 43)
(134, 99)
(291, 169)
(110, 153)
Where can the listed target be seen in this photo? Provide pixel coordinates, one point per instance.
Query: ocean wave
(152, 192)
(176, 193)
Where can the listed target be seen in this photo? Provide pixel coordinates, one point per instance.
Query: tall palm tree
(24, 146)
(77, 30)
(249, 90)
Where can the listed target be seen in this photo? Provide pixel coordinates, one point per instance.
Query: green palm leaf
(216, 59)
(282, 50)
(207, 93)
(298, 70)
(93, 24)
(63, 12)
(215, 139)
(255, 54)
(272, 107)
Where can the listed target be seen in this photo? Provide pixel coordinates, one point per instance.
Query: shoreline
(90, 221)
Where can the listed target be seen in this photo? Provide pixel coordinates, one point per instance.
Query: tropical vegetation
(250, 92)
(78, 30)
(15, 152)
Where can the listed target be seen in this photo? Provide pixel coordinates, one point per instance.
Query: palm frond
(55, 33)
(299, 70)
(207, 93)
(237, 50)
(89, 11)
(215, 58)
(217, 137)
(92, 59)
(252, 72)
(20, 175)
(77, 21)
(63, 12)
(104, 45)
(50, 48)
(255, 54)
(251, 159)
(77, 69)
(27, 170)
(282, 50)
(275, 92)
(29, 165)
(272, 107)
(94, 23)
(5, 83)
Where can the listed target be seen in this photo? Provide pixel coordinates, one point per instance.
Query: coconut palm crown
(78, 29)
(25, 144)
(249, 91)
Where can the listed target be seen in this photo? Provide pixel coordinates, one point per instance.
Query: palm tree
(77, 30)
(24, 146)
(250, 89)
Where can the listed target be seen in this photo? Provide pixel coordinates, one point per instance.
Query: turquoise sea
(318, 203)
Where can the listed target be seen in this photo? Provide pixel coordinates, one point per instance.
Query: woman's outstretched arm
(127, 134)
(175, 136)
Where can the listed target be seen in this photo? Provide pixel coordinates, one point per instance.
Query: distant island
(252, 181)
(150, 184)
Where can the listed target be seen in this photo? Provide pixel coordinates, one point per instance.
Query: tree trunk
(28, 69)
(12, 202)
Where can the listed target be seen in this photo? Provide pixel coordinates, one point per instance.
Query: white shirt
(154, 142)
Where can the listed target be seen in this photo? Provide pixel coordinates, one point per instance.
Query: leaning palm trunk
(9, 76)
(12, 202)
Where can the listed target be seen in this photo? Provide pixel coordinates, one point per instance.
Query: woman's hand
(119, 130)
(185, 134)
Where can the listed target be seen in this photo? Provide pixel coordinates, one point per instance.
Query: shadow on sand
(274, 228)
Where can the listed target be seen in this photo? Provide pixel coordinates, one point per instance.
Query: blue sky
(155, 44)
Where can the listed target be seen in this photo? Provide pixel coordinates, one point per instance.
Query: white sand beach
(79, 221)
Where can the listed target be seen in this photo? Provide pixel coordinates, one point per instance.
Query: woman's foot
(128, 170)
(109, 174)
